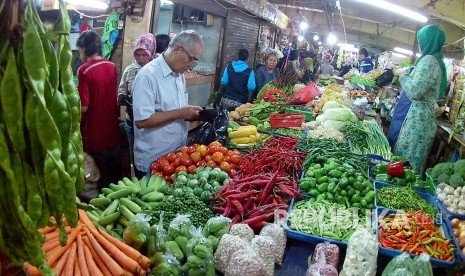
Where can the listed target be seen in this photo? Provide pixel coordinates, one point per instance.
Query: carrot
(113, 266)
(31, 270)
(126, 249)
(69, 267)
(57, 254)
(52, 235)
(47, 229)
(125, 261)
(85, 220)
(103, 268)
(93, 269)
(81, 257)
(48, 246)
(77, 271)
(62, 262)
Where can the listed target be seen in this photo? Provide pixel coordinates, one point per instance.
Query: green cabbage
(331, 104)
(340, 114)
(336, 125)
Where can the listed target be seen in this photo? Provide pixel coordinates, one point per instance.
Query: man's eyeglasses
(192, 59)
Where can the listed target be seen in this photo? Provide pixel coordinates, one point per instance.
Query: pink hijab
(146, 42)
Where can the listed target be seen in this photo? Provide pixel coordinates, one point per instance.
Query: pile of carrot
(89, 252)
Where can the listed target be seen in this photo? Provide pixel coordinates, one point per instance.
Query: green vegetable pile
(289, 132)
(326, 219)
(262, 110)
(180, 203)
(403, 198)
(410, 178)
(325, 80)
(319, 150)
(336, 182)
(42, 162)
(367, 137)
(450, 173)
(204, 184)
(119, 203)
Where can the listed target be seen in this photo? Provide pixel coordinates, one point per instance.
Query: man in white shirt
(160, 104)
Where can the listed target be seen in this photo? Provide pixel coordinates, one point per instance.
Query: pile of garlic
(453, 199)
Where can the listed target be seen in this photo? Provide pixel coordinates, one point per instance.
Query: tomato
(190, 149)
(171, 157)
(211, 164)
(163, 163)
(212, 149)
(157, 174)
(155, 166)
(195, 156)
(207, 158)
(203, 150)
(168, 170)
(227, 158)
(232, 167)
(180, 168)
(232, 172)
(215, 143)
(223, 150)
(184, 149)
(236, 152)
(201, 163)
(186, 162)
(177, 162)
(225, 166)
(179, 154)
(236, 159)
(191, 169)
(218, 157)
(168, 179)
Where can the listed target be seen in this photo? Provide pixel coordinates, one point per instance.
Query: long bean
(404, 198)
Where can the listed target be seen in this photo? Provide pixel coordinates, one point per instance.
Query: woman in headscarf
(144, 50)
(326, 67)
(413, 125)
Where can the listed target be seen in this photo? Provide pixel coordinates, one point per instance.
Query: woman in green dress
(423, 86)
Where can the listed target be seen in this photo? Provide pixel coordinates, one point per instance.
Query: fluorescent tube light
(403, 51)
(399, 55)
(396, 9)
(316, 37)
(418, 54)
(166, 2)
(303, 25)
(95, 4)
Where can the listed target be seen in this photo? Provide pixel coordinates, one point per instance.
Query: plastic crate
(443, 228)
(286, 120)
(429, 190)
(458, 252)
(307, 113)
(448, 212)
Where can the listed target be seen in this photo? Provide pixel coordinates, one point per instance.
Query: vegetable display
(321, 132)
(120, 202)
(42, 162)
(458, 228)
(397, 173)
(89, 251)
(334, 93)
(415, 233)
(325, 219)
(404, 198)
(403, 265)
(254, 200)
(452, 199)
(450, 173)
(190, 158)
(244, 136)
(339, 183)
(361, 254)
(367, 137)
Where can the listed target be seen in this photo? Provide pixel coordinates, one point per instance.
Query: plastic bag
(321, 268)
(278, 234)
(158, 236)
(242, 231)
(199, 254)
(400, 265)
(217, 226)
(423, 265)
(245, 262)
(304, 94)
(229, 244)
(212, 131)
(180, 226)
(137, 231)
(265, 247)
(330, 253)
(385, 78)
(165, 265)
(361, 255)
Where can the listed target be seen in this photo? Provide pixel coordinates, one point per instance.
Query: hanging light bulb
(303, 25)
(332, 39)
(300, 38)
(316, 37)
(319, 43)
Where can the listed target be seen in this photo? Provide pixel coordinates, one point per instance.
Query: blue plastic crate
(372, 179)
(447, 211)
(458, 252)
(429, 198)
(381, 212)
(374, 159)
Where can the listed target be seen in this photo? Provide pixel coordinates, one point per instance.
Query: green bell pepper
(380, 169)
(382, 177)
(409, 175)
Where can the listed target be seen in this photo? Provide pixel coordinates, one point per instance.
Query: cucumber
(132, 206)
(153, 197)
(100, 202)
(154, 204)
(106, 191)
(117, 187)
(141, 203)
(121, 193)
(116, 235)
(109, 227)
(111, 208)
(136, 182)
(146, 191)
(119, 227)
(92, 216)
(143, 182)
(125, 212)
(101, 196)
(109, 219)
(123, 221)
(155, 181)
(129, 183)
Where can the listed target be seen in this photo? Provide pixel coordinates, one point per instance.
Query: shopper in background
(413, 126)
(238, 81)
(366, 64)
(160, 104)
(348, 65)
(97, 86)
(295, 63)
(144, 50)
(163, 40)
(326, 68)
(267, 72)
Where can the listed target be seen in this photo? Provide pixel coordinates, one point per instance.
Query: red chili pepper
(256, 219)
(227, 210)
(228, 193)
(238, 206)
(241, 195)
(219, 210)
(236, 219)
(396, 169)
(269, 187)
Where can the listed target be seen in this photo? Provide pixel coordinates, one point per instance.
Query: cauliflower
(459, 167)
(456, 180)
(442, 168)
